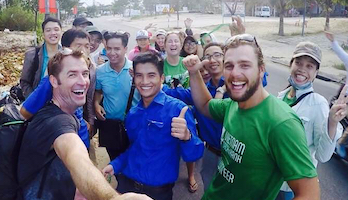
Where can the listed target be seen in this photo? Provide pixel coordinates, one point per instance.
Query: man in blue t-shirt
(113, 85)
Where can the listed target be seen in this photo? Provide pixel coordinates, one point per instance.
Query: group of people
(177, 95)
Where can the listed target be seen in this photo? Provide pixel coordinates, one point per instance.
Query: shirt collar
(298, 92)
(126, 66)
(221, 82)
(159, 99)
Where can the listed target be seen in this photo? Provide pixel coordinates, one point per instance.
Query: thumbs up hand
(179, 126)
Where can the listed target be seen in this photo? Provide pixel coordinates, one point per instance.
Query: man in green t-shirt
(263, 142)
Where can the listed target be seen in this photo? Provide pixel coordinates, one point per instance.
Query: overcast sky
(104, 2)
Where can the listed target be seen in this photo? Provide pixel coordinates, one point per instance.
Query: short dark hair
(149, 57)
(50, 19)
(213, 44)
(124, 36)
(70, 35)
(189, 38)
(54, 66)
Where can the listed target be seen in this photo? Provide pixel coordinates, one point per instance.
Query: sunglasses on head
(242, 37)
(116, 33)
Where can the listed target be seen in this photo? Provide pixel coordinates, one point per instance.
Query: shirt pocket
(158, 133)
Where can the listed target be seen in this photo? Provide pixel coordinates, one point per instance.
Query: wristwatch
(221, 90)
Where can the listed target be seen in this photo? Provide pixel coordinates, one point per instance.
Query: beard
(248, 93)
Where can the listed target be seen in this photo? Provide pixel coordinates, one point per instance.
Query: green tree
(91, 10)
(327, 5)
(67, 5)
(281, 6)
(118, 6)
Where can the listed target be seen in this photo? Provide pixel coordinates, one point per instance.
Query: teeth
(238, 83)
(300, 77)
(145, 88)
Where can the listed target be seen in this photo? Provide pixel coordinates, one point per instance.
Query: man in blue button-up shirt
(160, 130)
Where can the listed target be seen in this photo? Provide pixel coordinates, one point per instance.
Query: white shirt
(313, 110)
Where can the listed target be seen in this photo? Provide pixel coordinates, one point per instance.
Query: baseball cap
(93, 29)
(142, 34)
(160, 32)
(81, 20)
(308, 49)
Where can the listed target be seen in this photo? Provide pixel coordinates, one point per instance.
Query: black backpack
(12, 130)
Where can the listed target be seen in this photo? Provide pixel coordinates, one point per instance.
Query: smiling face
(143, 42)
(115, 51)
(303, 69)
(190, 47)
(160, 40)
(148, 81)
(52, 33)
(205, 75)
(173, 44)
(215, 66)
(72, 83)
(242, 73)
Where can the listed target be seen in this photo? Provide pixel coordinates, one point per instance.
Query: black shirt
(36, 150)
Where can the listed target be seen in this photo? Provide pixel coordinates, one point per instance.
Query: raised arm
(199, 91)
(87, 178)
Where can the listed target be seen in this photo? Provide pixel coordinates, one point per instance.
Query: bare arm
(87, 178)
(99, 110)
(199, 91)
(305, 188)
(26, 114)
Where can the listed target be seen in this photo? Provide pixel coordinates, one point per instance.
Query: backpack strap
(300, 98)
(35, 65)
(130, 98)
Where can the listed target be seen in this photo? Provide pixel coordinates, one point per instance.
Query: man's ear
(262, 71)
(53, 81)
(162, 78)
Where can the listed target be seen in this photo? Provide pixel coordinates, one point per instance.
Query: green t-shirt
(178, 72)
(261, 147)
(288, 100)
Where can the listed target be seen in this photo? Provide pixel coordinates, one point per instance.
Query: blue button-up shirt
(153, 156)
(115, 87)
(209, 130)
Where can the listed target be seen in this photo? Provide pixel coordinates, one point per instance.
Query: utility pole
(304, 16)
(47, 9)
(177, 13)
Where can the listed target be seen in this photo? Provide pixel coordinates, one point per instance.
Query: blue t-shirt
(115, 87)
(41, 95)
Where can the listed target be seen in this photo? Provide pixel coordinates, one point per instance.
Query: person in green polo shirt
(263, 141)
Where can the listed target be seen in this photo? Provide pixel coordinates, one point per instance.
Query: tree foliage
(67, 5)
(118, 6)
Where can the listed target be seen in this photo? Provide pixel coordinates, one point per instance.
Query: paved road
(333, 175)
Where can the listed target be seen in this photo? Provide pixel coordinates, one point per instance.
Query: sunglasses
(242, 37)
(116, 33)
